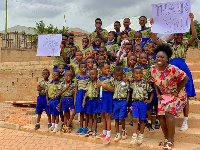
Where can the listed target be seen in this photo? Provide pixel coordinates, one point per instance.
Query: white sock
(53, 125)
(38, 123)
(63, 123)
(105, 132)
(49, 123)
(134, 135)
(149, 121)
(56, 126)
(123, 130)
(157, 120)
(185, 120)
(118, 134)
(141, 135)
(108, 133)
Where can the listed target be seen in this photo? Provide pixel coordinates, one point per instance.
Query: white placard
(49, 45)
(171, 17)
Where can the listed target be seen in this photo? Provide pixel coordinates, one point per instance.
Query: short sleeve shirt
(91, 90)
(108, 81)
(124, 62)
(70, 91)
(146, 72)
(104, 32)
(87, 49)
(43, 83)
(141, 90)
(131, 34)
(112, 47)
(180, 51)
(153, 60)
(121, 89)
(128, 73)
(52, 90)
(81, 82)
(76, 68)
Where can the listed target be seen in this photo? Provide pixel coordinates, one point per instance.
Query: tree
(197, 26)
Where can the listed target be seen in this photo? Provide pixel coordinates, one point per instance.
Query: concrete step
(148, 144)
(194, 66)
(195, 74)
(197, 93)
(196, 83)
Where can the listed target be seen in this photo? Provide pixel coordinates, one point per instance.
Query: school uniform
(119, 39)
(123, 62)
(72, 59)
(128, 73)
(120, 100)
(95, 48)
(99, 71)
(112, 46)
(81, 82)
(178, 59)
(67, 96)
(131, 34)
(106, 98)
(92, 103)
(104, 32)
(61, 79)
(139, 95)
(112, 66)
(152, 60)
(146, 34)
(76, 68)
(67, 50)
(146, 72)
(87, 49)
(41, 99)
(54, 100)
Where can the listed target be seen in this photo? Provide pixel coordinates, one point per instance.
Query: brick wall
(19, 79)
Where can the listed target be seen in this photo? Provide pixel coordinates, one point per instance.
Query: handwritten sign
(172, 17)
(49, 45)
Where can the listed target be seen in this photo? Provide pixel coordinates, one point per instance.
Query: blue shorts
(106, 102)
(139, 110)
(52, 107)
(67, 104)
(41, 105)
(130, 99)
(79, 101)
(120, 109)
(55, 68)
(92, 106)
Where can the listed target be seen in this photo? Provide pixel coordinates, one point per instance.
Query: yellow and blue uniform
(92, 103)
(146, 34)
(153, 60)
(104, 32)
(139, 95)
(106, 97)
(146, 72)
(76, 68)
(112, 66)
(120, 99)
(41, 99)
(131, 34)
(119, 39)
(179, 54)
(72, 59)
(128, 73)
(54, 100)
(113, 46)
(87, 49)
(67, 96)
(81, 83)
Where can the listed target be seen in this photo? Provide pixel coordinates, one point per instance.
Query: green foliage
(197, 26)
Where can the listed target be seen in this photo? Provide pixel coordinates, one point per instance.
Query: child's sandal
(168, 146)
(69, 130)
(64, 129)
(163, 143)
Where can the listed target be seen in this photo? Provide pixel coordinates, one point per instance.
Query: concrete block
(33, 121)
(9, 125)
(34, 62)
(25, 63)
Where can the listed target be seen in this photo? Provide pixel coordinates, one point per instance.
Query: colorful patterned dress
(167, 82)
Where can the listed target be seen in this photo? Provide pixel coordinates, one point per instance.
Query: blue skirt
(105, 102)
(79, 101)
(180, 63)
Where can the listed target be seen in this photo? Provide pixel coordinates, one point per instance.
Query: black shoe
(98, 119)
(37, 126)
(153, 112)
(139, 127)
(131, 123)
(120, 123)
(49, 125)
(149, 126)
(146, 123)
(157, 125)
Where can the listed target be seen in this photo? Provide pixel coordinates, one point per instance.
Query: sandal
(163, 143)
(69, 130)
(168, 146)
(64, 128)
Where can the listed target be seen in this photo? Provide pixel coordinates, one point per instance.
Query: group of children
(102, 80)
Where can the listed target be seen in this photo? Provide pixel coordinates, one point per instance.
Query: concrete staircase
(187, 140)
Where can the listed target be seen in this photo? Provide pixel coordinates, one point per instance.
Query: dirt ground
(16, 115)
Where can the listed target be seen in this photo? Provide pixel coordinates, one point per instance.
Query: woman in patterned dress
(169, 81)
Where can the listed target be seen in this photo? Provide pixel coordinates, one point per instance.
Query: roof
(78, 31)
(134, 24)
(18, 28)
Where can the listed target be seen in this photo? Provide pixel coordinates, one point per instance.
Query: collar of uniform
(76, 63)
(128, 29)
(147, 66)
(127, 70)
(73, 57)
(140, 81)
(100, 29)
(64, 83)
(121, 80)
(112, 43)
(95, 47)
(46, 80)
(102, 79)
(119, 34)
(80, 78)
(143, 29)
(174, 43)
(70, 44)
(86, 47)
(57, 82)
(112, 62)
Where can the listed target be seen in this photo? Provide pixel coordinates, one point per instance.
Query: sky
(79, 13)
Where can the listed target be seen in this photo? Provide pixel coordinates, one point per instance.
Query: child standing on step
(41, 99)
(120, 102)
(91, 99)
(105, 86)
(139, 103)
(53, 100)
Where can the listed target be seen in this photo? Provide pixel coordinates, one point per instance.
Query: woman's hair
(115, 35)
(164, 48)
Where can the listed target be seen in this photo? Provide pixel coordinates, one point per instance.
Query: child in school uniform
(101, 59)
(137, 52)
(41, 99)
(91, 99)
(128, 72)
(97, 43)
(73, 50)
(111, 45)
(138, 40)
(53, 100)
(112, 60)
(75, 66)
(152, 54)
(86, 48)
(120, 102)
(139, 103)
(80, 83)
(105, 85)
(61, 70)
(131, 32)
(117, 26)
(147, 77)
(67, 93)
(146, 31)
